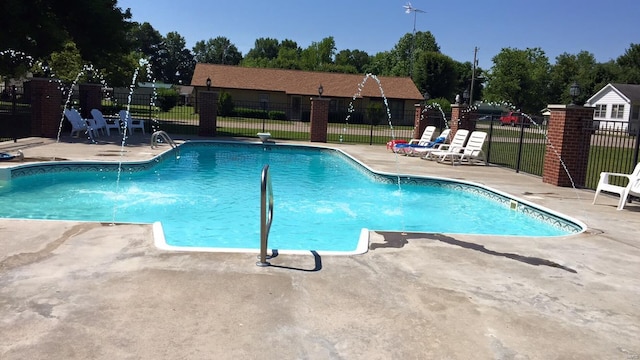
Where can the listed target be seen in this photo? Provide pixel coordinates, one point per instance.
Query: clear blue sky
(605, 29)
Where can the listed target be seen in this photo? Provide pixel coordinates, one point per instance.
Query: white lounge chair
(472, 151)
(78, 124)
(131, 124)
(417, 150)
(101, 121)
(426, 137)
(632, 187)
(456, 145)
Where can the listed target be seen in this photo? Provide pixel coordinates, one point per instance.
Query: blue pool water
(210, 197)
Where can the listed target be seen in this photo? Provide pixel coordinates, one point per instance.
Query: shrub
(225, 104)
(167, 99)
(277, 115)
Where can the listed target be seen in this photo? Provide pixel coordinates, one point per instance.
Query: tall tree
(569, 68)
(264, 48)
(217, 51)
(520, 77)
(40, 27)
(629, 64)
(436, 74)
(318, 54)
(356, 58)
(407, 50)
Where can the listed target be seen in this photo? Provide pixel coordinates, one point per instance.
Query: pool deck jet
(82, 290)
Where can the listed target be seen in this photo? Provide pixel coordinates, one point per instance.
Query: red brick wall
(568, 142)
(90, 98)
(208, 103)
(46, 108)
(319, 119)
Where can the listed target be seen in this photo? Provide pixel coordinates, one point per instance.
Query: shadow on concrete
(317, 260)
(398, 240)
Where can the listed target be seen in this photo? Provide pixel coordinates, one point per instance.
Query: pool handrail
(266, 215)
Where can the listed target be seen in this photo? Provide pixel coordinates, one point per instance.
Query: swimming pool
(209, 198)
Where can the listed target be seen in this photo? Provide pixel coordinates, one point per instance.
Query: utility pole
(473, 74)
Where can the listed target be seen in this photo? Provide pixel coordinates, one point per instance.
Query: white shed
(617, 107)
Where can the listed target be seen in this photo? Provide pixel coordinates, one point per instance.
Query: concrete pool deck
(78, 290)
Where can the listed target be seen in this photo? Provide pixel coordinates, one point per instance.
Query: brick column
(319, 119)
(208, 103)
(420, 121)
(46, 107)
(457, 112)
(90, 98)
(569, 139)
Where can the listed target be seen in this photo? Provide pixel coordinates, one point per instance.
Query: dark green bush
(250, 113)
(167, 99)
(225, 104)
(277, 115)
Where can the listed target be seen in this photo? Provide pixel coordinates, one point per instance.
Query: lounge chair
(457, 143)
(101, 121)
(131, 124)
(79, 124)
(415, 150)
(472, 151)
(426, 137)
(632, 187)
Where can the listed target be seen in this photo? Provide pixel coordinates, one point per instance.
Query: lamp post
(320, 90)
(574, 91)
(208, 84)
(465, 96)
(426, 97)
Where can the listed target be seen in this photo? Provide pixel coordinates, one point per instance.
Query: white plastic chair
(78, 124)
(456, 146)
(426, 137)
(101, 121)
(131, 124)
(632, 188)
(471, 151)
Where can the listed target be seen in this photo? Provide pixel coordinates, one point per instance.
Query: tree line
(43, 36)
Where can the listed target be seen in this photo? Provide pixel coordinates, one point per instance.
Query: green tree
(408, 49)
(356, 58)
(40, 27)
(629, 64)
(264, 48)
(318, 54)
(217, 51)
(436, 74)
(520, 77)
(568, 68)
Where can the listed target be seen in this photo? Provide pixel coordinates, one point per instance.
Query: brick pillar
(90, 98)
(420, 121)
(319, 119)
(46, 107)
(569, 139)
(208, 103)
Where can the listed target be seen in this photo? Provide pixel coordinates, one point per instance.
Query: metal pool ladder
(163, 137)
(266, 215)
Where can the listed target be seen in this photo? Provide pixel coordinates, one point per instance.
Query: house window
(601, 111)
(617, 111)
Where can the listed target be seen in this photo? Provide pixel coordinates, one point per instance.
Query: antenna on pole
(408, 8)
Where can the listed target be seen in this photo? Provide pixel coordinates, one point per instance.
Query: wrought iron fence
(15, 113)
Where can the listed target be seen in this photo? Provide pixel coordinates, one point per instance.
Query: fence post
(208, 114)
(420, 121)
(46, 107)
(90, 98)
(462, 118)
(569, 140)
(319, 119)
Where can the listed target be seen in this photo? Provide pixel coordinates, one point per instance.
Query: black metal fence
(614, 144)
(15, 113)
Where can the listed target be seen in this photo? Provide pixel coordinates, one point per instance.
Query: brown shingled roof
(298, 82)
